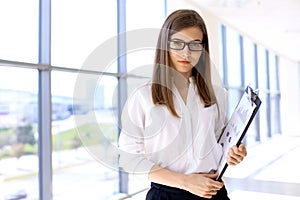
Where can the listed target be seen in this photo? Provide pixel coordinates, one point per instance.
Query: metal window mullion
(224, 50)
(242, 66)
(277, 99)
(242, 62)
(44, 102)
(257, 119)
(268, 103)
(165, 8)
(122, 80)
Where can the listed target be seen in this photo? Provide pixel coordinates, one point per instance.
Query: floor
(269, 172)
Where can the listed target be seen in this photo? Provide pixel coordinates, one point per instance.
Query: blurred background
(50, 130)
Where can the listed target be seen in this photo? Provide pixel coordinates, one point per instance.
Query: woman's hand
(236, 154)
(203, 185)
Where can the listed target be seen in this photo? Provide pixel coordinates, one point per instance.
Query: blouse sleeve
(131, 141)
(221, 120)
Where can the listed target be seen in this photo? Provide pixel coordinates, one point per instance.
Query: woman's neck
(182, 84)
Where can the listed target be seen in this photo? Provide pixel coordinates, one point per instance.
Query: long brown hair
(161, 79)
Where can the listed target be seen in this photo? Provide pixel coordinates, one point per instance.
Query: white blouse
(152, 135)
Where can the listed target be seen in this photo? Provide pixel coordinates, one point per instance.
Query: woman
(170, 126)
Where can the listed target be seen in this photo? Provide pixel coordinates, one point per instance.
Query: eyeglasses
(180, 45)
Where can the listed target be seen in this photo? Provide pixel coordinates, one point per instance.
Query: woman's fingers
(204, 185)
(236, 154)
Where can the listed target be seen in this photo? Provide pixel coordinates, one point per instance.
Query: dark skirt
(162, 192)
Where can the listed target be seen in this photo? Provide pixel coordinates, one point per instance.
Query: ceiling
(274, 24)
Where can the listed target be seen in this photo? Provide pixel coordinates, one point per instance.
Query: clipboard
(238, 125)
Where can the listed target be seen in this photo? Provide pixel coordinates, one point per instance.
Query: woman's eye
(195, 44)
(177, 43)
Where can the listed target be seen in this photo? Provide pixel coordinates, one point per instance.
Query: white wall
(289, 79)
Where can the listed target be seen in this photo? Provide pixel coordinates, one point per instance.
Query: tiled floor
(269, 172)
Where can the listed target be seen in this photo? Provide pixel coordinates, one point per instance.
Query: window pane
(18, 133)
(273, 72)
(84, 133)
(142, 43)
(150, 14)
(262, 68)
(275, 95)
(80, 27)
(233, 58)
(140, 60)
(19, 30)
(262, 86)
(250, 79)
(250, 73)
(233, 99)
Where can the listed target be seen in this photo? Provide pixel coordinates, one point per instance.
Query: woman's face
(184, 60)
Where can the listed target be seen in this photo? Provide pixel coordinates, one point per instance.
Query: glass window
(18, 133)
(262, 68)
(143, 27)
(250, 79)
(274, 82)
(19, 30)
(250, 72)
(80, 28)
(260, 72)
(84, 133)
(263, 91)
(234, 96)
(274, 94)
(141, 62)
(150, 14)
(233, 68)
(233, 58)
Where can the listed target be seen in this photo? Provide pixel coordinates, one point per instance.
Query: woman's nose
(186, 51)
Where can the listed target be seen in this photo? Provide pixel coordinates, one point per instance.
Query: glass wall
(250, 78)
(78, 28)
(85, 92)
(234, 70)
(84, 123)
(85, 38)
(143, 26)
(19, 30)
(18, 100)
(263, 82)
(274, 94)
(18, 133)
(150, 14)
(247, 63)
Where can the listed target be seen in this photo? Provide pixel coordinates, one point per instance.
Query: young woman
(170, 125)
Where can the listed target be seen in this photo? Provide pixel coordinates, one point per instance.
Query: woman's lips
(184, 61)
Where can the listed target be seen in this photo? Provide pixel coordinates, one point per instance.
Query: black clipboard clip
(252, 94)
